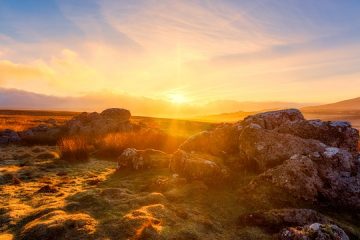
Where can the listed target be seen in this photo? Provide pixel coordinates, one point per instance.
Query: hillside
(342, 106)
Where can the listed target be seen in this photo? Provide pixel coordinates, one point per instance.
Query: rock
(9, 136)
(197, 167)
(330, 177)
(119, 114)
(266, 148)
(315, 231)
(276, 219)
(274, 119)
(110, 120)
(220, 141)
(142, 159)
(335, 134)
(59, 225)
(42, 134)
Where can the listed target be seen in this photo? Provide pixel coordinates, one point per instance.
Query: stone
(274, 119)
(276, 219)
(197, 167)
(335, 134)
(314, 231)
(142, 159)
(265, 148)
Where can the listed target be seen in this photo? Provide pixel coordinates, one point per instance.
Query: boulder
(276, 219)
(315, 231)
(266, 148)
(119, 114)
(220, 141)
(197, 166)
(335, 134)
(329, 176)
(110, 120)
(274, 119)
(142, 159)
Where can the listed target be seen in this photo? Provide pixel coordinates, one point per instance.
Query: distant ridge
(342, 106)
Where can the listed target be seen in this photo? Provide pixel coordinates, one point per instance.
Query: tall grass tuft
(74, 149)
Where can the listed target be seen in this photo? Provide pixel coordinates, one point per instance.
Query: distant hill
(24, 100)
(350, 105)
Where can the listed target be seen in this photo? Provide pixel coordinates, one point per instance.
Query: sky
(183, 51)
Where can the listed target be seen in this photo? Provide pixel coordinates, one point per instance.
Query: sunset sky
(183, 51)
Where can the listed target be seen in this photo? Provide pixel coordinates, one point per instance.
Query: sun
(177, 98)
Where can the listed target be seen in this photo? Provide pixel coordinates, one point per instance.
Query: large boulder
(266, 148)
(274, 119)
(120, 114)
(336, 134)
(142, 159)
(315, 231)
(220, 141)
(276, 219)
(197, 166)
(110, 120)
(333, 176)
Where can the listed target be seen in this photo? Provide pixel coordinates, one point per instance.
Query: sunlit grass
(74, 149)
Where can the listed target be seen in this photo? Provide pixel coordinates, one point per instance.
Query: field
(38, 188)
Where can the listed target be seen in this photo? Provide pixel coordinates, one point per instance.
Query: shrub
(74, 149)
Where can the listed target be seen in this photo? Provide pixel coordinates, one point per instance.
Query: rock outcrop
(315, 231)
(197, 167)
(110, 120)
(276, 219)
(142, 159)
(94, 124)
(307, 159)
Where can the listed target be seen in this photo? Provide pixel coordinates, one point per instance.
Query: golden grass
(23, 122)
(114, 143)
(74, 149)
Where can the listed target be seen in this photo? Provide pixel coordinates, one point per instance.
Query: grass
(23, 122)
(74, 149)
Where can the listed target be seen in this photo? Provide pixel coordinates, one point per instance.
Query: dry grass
(114, 143)
(74, 149)
(22, 122)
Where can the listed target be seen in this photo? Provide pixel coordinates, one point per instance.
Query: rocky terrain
(274, 175)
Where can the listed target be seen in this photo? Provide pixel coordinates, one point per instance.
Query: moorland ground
(117, 204)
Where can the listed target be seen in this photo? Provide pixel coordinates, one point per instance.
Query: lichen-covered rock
(266, 148)
(59, 225)
(336, 134)
(142, 159)
(315, 231)
(119, 114)
(331, 175)
(197, 167)
(276, 219)
(222, 140)
(110, 120)
(274, 119)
